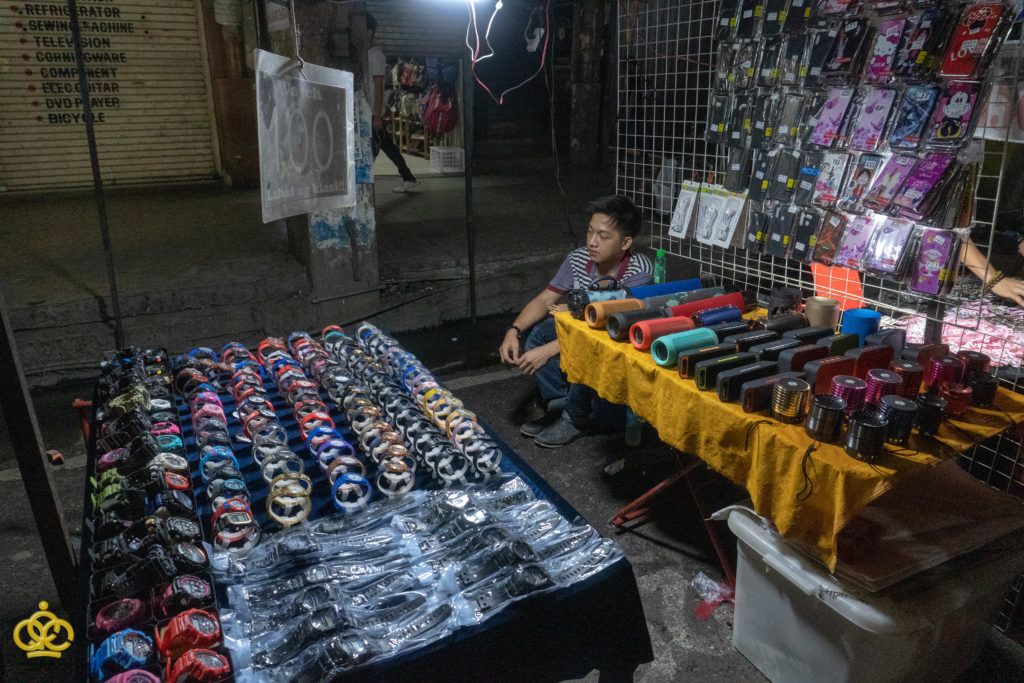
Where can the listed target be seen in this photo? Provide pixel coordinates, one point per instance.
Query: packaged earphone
(879, 67)
(914, 114)
(956, 112)
(886, 183)
(709, 210)
(682, 215)
(936, 255)
(788, 129)
(873, 119)
(830, 236)
(855, 242)
(859, 181)
(886, 251)
(830, 178)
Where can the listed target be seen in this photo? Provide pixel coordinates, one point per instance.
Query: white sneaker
(406, 186)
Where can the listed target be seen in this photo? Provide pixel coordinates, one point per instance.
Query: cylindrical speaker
(643, 333)
(665, 350)
(596, 313)
(618, 324)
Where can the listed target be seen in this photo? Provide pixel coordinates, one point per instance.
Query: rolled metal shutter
(149, 84)
(412, 28)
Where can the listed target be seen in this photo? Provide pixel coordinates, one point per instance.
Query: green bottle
(659, 267)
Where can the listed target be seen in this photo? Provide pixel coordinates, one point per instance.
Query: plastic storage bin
(795, 622)
(447, 159)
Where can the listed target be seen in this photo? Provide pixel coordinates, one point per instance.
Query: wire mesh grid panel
(668, 61)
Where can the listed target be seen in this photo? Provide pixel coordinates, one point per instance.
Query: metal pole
(467, 96)
(97, 181)
(16, 408)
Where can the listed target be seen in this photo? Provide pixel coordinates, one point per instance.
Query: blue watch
(122, 651)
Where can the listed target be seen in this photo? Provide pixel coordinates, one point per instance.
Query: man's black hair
(371, 23)
(623, 212)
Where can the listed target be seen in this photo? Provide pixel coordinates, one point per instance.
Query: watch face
(191, 553)
(203, 622)
(191, 586)
(137, 645)
(209, 659)
(183, 527)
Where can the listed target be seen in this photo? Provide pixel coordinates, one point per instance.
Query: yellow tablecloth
(768, 462)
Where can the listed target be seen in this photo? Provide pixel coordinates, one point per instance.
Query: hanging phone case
(837, 8)
(860, 180)
(954, 114)
(788, 128)
(798, 15)
(728, 14)
(718, 119)
(737, 174)
(814, 105)
(780, 231)
(886, 183)
(922, 38)
(886, 6)
(829, 238)
(934, 268)
(885, 252)
(757, 226)
(794, 57)
(833, 114)
(765, 116)
(879, 68)
(810, 169)
(723, 66)
(760, 176)
(774, 17)
(745, 67)
(914, 114)
(915, 194)
(821, 47)
(737, 122)
(869, 131)
(855, 242)
(847, 54)
(787, 168)
(768, 74)
(750, 18)
(973, 40)
(806, 227)
(830, 180)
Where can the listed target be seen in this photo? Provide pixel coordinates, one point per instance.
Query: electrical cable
(554, 152)
(476, 51)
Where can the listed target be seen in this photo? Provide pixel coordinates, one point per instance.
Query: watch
(182, 592)
(237, 533)
(120, 614)
(351, 492)
(134, 676)
(122, 651)
(201, 666)
(309, 630)
(229, 505)
(188, 630)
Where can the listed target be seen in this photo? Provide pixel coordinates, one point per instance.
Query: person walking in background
(375, 91)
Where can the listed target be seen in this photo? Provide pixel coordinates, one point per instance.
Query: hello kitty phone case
(883, 54)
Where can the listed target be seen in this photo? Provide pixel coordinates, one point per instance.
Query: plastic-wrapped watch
(191, 629)
(309, 630)
(200, 666)
(504, 556)
(522, 581)
(122, 651)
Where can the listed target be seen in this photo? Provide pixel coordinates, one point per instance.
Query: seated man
(613, 225)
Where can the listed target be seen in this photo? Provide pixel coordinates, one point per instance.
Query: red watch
(190, 629)
(198, 665)
(230, 505)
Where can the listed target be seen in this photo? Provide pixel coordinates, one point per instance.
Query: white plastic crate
(447, 159)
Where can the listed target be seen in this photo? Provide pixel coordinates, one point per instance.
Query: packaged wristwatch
(914, 113)
(879, 67)
(774, 17)
(957, 108)
(806, 182)
(923, 36)
(860, 180)
(737, 172)
(886, 183)
(888, 245)
(745, 67)
(768, 74)
(870, 128)
(805, 231)
(765, 115)
(847, 55)
(829, 238)
(788, 129)
(787, 168)
(918, 194)
(817, 56)
(718, 119)
(738, 118)
(855, 242)
(761, 175)
(833, 115)
(780, 230)
(794, 60)
(830, 179)
(975, 39)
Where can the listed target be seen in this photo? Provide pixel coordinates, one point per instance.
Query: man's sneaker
(534, 427)
(562, 432)
(406, 186)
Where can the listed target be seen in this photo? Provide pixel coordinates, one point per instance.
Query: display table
(564, 633)
(760, 453)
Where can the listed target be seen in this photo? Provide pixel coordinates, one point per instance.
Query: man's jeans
(581, 402)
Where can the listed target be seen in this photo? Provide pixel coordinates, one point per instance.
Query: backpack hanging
(440, 114)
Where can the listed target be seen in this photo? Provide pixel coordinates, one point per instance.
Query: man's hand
(1010, 288)
(378, 123)
(534, 359)
(510, 348)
